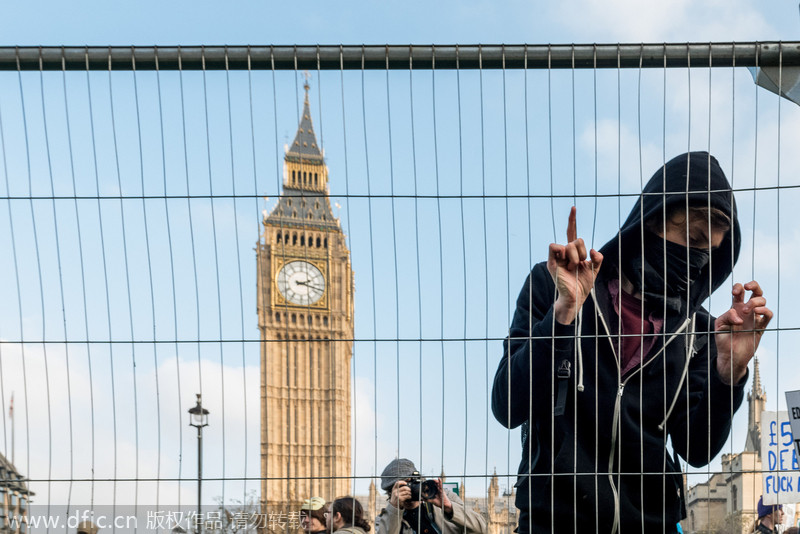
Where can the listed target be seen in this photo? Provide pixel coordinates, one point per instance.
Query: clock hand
(309, 285)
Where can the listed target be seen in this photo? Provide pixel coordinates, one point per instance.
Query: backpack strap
(562, 385)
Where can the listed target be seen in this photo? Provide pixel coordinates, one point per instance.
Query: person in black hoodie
(610, 359)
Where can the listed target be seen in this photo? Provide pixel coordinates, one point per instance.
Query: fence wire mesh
(148, 225)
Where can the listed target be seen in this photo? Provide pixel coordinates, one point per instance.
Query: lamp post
(198, 418)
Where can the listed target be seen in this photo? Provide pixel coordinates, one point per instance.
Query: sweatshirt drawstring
(599, 313)
(692, 337)
(689, 355)
(579, 326)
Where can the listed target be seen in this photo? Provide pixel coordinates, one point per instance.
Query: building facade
(14, 499)
(305, 318)
(498, 510)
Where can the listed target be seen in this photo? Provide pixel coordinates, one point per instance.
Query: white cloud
(767, 252)
(47, 447)
(678, 20)
(614, 137)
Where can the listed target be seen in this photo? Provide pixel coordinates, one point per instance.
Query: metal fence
(138, 180)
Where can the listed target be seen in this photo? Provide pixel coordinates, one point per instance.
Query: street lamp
(198, 418)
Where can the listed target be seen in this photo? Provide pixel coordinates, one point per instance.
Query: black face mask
(646, 272)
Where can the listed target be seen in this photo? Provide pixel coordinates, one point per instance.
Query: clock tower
(305, 315)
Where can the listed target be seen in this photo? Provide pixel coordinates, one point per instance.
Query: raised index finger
(572, 226)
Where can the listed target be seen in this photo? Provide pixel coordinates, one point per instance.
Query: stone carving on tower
(305, 317)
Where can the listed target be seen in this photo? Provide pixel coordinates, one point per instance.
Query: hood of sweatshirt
(694, 179)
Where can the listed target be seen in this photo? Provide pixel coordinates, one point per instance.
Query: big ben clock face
(301, 283)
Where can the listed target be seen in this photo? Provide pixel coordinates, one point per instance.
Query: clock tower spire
(305, 316)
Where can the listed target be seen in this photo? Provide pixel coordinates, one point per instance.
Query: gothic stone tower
(756, 400)
(305, 314)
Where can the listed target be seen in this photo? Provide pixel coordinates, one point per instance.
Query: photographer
(417, 507)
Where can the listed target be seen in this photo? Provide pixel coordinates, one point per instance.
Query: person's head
(769, 515)
(682, 237)
(87, 527)
(699, 227)
(397, 470)
(312, 515)
(345, 512)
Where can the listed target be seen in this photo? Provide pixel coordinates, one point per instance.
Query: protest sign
(780, 468)
(793, 405)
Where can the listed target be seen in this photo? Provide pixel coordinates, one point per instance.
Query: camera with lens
(428, 489)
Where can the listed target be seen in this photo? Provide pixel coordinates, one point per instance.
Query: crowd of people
(434, 510)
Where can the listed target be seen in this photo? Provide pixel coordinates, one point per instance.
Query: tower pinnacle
(304, 147)
(756, 401)
(756, 378)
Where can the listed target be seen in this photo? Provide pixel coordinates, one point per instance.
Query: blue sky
(471, 21)
(473, 255)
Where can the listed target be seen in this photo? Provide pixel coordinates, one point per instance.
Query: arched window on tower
(315, 179)
(326, 242)
(294, 178)
(277, 317)
(294, 239)
(279, 236)
(294, 318)
(302, 240)
(318, 243)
